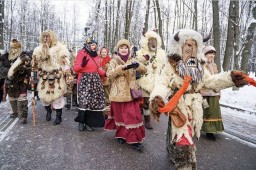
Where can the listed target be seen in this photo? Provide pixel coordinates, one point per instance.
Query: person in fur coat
(180, 83)
(17, 80)
(152, 56)
(51, 58)
(212, 113)
(125, 116)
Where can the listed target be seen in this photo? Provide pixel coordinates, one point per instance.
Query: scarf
(87, 48)
(124, 57)
(104, 61)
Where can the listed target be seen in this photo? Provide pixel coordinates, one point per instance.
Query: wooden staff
(33, 104)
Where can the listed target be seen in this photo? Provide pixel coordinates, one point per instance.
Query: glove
(84, 61)
(146, 57)
(238, 77)
(133, 65)
(154, 106)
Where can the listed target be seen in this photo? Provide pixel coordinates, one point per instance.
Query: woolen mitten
(84, 61)
(154, 106)
(238, 77)
(133, 65)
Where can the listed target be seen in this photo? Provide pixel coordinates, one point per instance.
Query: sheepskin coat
(122, 81)
(190, 103)
(154, 64)
(58, 59)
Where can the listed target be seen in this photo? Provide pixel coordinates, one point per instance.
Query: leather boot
(81, 126)
(147, 122)
(14, 109)
(58, 119)
(49, 112)
(23, 111)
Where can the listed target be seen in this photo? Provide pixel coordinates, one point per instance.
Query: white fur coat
(190, 104)
(58, 54)
(154, 66)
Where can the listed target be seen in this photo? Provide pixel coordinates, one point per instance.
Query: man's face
(46, 39)
(14, 50)
(152, 44)
(189, 49)
(93, 46)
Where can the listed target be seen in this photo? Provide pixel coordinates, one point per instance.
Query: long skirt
(91, 100)
(126, 119)
(212, 116)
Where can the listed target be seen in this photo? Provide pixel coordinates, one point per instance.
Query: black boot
(49, 112)
(137, 146)
(81, 126)
(58, 117)
(211, 136)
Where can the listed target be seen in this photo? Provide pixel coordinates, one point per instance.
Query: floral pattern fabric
(90, 92)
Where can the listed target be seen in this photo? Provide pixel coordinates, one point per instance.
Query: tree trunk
(248, 43)
(236, 35)
(230, 38)
(126, 30)
(117, 22)
(145, 28)
(2, 25)
(195, 14)
(216, 32)
(106, 23)
(160, 23)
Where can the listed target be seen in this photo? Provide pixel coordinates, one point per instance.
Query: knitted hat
(208, 49)
(15, 44)
(123, 42)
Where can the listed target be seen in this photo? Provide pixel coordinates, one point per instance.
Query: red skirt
(126, 119)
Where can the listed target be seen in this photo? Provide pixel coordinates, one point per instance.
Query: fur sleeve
(217, 81)
(114, 69)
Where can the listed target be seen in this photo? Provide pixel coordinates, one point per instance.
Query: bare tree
(248, 42)
(216, 32)
(160, 24)
(145, 28)
(230, 38)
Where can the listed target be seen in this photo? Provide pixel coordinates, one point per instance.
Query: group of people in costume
(185, 85)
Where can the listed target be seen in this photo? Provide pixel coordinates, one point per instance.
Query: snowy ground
(240, 123)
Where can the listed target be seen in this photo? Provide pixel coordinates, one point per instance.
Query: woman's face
(93, 47)
(210, 57)
(104, 53)
(123, 50)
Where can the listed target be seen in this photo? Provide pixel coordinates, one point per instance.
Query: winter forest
(231, 24)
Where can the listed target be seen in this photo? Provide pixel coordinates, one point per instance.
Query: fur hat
(178, 40)
(123, 42)
(208, 49)
(52, 37)
(15, 44)
(146, 36)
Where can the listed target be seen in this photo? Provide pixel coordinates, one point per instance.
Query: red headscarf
(104, 61)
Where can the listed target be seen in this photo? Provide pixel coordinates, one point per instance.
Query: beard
(45, 51)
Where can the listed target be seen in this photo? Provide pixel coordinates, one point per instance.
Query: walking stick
(33, 104)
